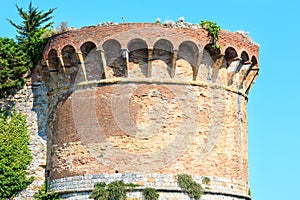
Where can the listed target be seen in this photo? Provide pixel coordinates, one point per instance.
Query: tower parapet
(143, 102)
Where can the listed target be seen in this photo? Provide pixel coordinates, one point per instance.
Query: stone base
(163, 195)
(80, 187)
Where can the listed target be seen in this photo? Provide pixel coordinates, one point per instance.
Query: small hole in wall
(47, 173)
(116, 171)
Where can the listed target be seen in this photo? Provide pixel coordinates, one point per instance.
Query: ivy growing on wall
(15, 155)
(193, 189)
(115, 190)
(206, 181)
(150, 194)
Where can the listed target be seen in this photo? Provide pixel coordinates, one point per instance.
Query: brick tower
(143, 102)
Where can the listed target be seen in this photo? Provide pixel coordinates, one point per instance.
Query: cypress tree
(14, 63)
(35, 23)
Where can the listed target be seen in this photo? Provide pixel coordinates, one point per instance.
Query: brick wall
(150, 101)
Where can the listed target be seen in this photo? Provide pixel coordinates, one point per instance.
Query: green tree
(35, 23)
(15, 155)
(14, 63)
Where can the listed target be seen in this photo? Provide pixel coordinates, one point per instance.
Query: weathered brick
(144, 102)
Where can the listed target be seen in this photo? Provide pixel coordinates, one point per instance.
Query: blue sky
(273, 108)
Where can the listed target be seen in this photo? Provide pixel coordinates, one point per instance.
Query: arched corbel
(103, 60)
(82, 65)
(173, 62)
(125, 55)
(233, 67)
(197, 62)
(150, 57)
(45, 74)
(63, 68)
(253, 74)
(53, 74)
(219, 73)
(244, 71)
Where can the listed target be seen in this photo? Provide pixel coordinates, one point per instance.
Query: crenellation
(123, 54)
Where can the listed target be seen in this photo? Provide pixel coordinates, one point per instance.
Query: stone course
(164, 183)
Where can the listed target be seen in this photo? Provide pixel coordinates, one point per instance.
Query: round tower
(144, 102)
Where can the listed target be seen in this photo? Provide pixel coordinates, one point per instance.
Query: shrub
(150, 194)
(187, 183)
(213, 31)
(43, 194)
(206, 181)
(115, 190)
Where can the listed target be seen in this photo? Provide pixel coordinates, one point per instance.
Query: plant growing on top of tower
(187, 183)
(63, 27)
(213, 31)
(158, 21)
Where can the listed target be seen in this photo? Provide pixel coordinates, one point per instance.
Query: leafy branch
(213, 31)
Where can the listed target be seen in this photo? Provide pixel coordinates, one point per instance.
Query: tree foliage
(14, 63)
(15, 155)
(35, 23)
(35, 45)
(16, 59)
